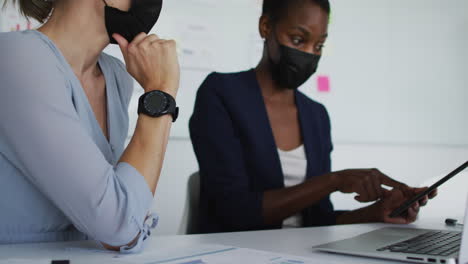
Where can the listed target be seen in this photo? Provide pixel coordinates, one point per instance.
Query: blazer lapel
(263, 139)
(308, 122)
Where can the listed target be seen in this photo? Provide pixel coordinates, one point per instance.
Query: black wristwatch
(158, 103)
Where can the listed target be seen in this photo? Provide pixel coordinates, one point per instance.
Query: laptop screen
(464, 245)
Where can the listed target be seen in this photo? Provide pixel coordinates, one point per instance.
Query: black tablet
(418, 197)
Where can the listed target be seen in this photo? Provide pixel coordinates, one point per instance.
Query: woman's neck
(78, 30)
(270, 90)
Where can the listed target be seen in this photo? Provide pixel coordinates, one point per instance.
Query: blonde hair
(37, 9)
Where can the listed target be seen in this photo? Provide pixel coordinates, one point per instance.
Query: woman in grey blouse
(64, 172)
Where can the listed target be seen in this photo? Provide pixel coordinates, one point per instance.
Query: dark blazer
(238, 157)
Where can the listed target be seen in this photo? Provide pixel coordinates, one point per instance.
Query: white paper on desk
(164, 254)
(215, 254)
(25, 261)
(244, 255)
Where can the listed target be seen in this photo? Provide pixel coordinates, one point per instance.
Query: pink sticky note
(323, 84)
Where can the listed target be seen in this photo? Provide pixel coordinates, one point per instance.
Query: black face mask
(141, 17)
(294, 67)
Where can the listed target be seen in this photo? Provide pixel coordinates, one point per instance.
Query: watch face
(156, 103)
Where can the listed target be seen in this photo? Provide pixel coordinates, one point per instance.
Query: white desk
(291, 241)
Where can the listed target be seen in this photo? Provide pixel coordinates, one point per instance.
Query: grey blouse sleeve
(41, 134)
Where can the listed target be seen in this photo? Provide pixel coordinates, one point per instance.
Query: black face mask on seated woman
(294, 67)
(141, 17)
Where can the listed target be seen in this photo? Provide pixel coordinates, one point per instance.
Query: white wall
(413, 164)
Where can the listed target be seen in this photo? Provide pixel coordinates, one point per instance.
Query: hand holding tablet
(430, 192)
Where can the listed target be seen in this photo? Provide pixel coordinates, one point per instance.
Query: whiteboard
(397, 69)
(398, 72)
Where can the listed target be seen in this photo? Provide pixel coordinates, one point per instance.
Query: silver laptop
(407, 244)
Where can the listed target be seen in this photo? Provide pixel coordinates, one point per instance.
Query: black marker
(452, 222)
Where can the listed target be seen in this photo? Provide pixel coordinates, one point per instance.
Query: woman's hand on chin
(152, 62)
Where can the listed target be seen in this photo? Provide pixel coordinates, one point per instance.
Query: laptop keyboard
(436, 243)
